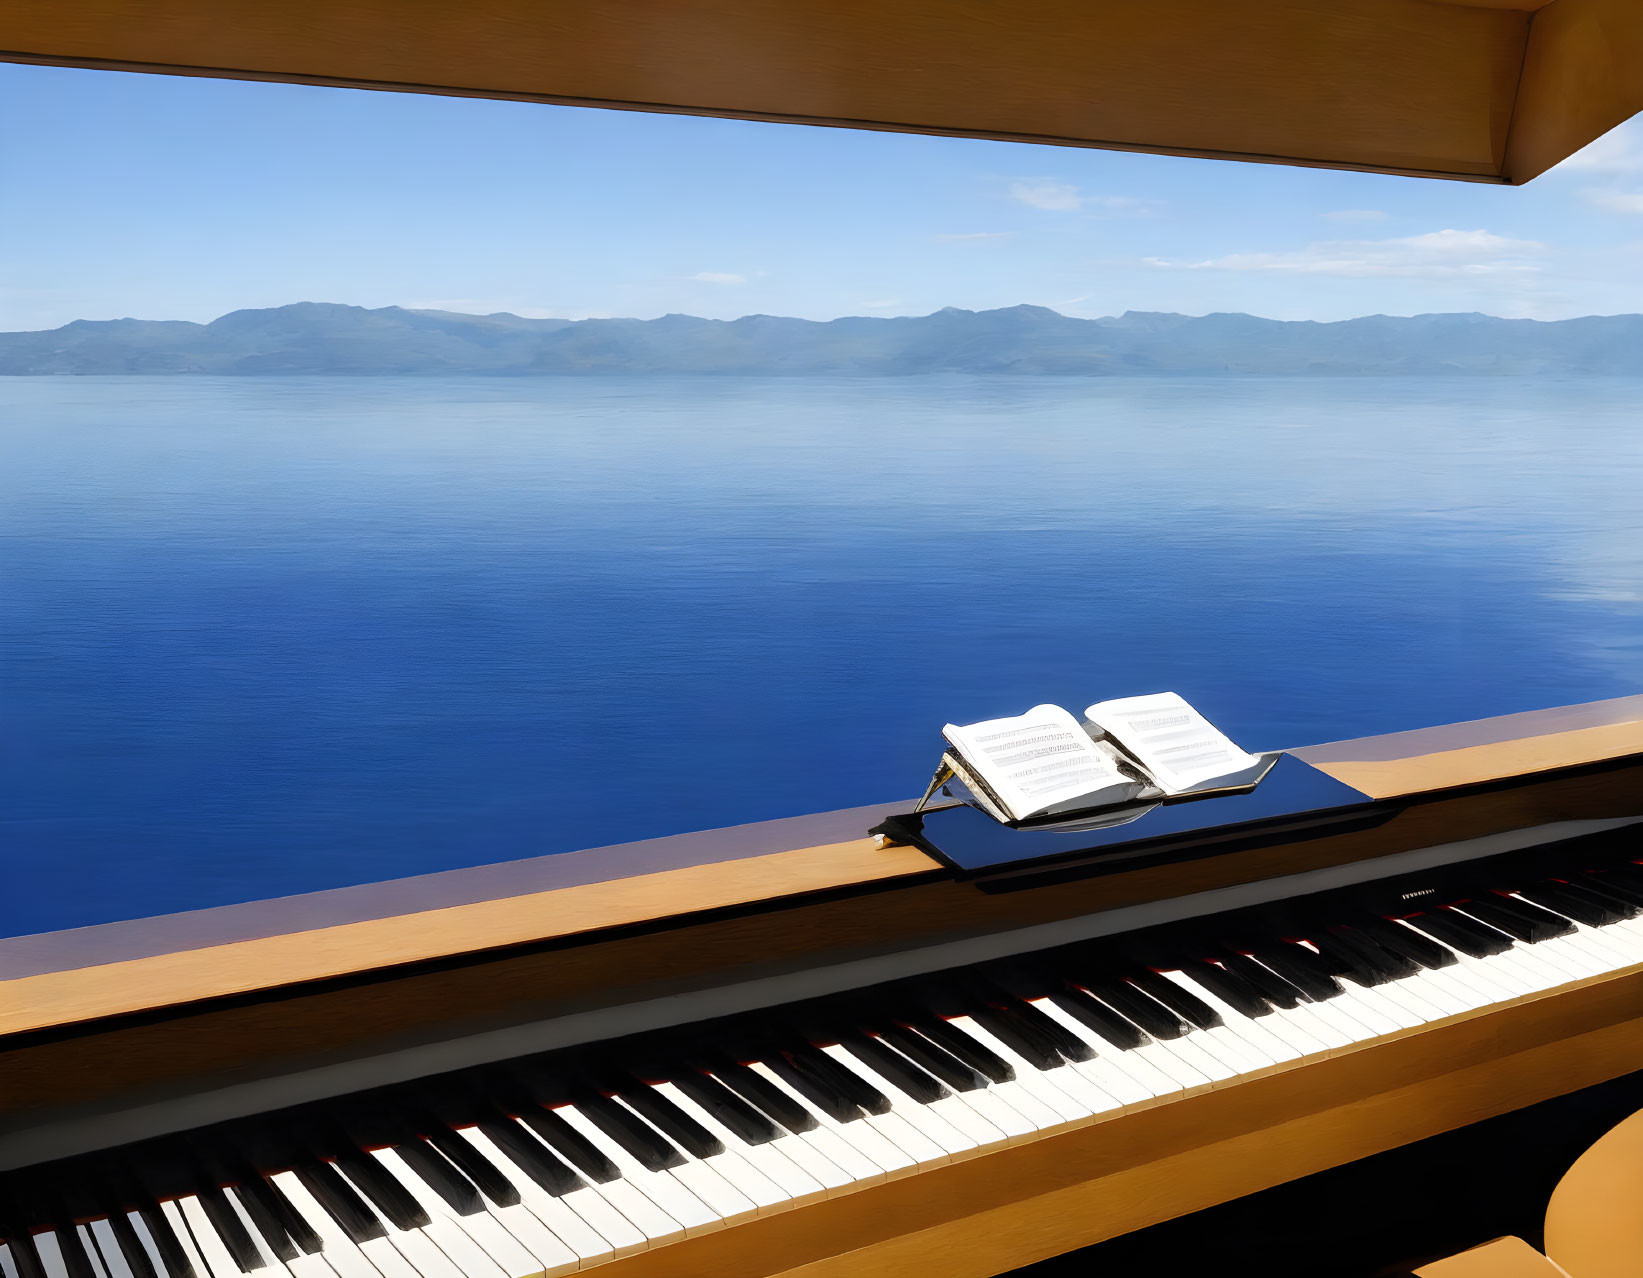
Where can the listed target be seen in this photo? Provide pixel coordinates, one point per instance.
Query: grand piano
(790, 1047)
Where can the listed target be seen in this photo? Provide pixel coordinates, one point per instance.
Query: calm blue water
(266, 636)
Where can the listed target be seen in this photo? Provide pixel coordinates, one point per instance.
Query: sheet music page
(1035, 760)
(1180, 747)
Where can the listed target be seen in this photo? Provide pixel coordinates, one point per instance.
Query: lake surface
(262, 636)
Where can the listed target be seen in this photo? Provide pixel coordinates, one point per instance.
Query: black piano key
(847, 1083)
(741, 1119)
(1312, 980)
(1097, 1016)
(342, 1204)
(1148, 1013)
(1619, 889)
(131, 1247)
(1468, 936)
(1356, 963)
(894, 1067)
(486, 1176)
(648, 1146)
(1230, 988)
(1629, 873)
(965, 1046)
(1552, 896)
(1267, 983)
(765, 1096)
(265, 1222)
(172, 1253)
(1061, 1040)
(1614, 910)
(1538, 924)
(1033, 1048)
(533, 1157)
(933, 1059)
(575, 1148)
(1412, 946)
(662, 1114)
(231, 1230)
(1189, 1007)
(441, 1175)
(825, 1097)
(1614, 895)
(302, 1233)
(1487, 911)
(396, 1203)
(72, 1247)
(1371, 950)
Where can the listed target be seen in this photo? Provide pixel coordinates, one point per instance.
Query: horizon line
(992, 310)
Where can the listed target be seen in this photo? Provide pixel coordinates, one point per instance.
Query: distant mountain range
(317, 337)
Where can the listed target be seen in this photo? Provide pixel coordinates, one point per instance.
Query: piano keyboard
(559, 1162)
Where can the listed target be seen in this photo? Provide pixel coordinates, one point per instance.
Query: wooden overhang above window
(1484, 90)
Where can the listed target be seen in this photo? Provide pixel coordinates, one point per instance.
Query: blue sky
(173, 198)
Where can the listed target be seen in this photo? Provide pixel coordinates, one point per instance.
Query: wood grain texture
(1582, 75)
(992, 1213)
(1392, 85)
(1497, 1258)
(1480, 764)
(217, 971)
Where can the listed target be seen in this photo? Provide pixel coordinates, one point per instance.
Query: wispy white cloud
(1354, 215)
(1064, 197)
(1615, 201)
(972, 236)
(1448, 253)
(1618, 151)
(718, 277)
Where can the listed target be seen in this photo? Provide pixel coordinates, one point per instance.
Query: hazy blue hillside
(316, 337)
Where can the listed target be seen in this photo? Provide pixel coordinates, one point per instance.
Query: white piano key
(1374, 1014)
(789, 1184)
(210, 1245)
(8, 1266)
(806, 1154)
(139, 1226)
(51, 1255)
(302, 1266)
(856, 1148)
(1265, 1039)
(1240, 1049)
(173, 1212)
(589, 1245)
(980, 1111)
(1131, 1082)
(469, 1242)
(340, 1251)
(520, 1222)
(1064, 1092)
(108, 1246)
(912, 1145)
(934, 1127)
(89, 1246)
(728, 1204)
(671, 1197)
(1616, 949)
(629, 1204)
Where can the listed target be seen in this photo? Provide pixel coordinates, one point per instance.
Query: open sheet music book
(1047, 763)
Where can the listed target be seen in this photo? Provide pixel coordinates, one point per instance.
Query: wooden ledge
(88, 993)
(1404, 764)
(90, 974)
